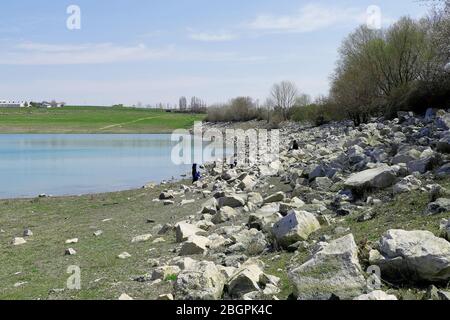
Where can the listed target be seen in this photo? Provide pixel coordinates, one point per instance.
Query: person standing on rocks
(195, 173)
(294, 146)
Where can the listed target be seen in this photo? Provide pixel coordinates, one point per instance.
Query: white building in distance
(13, 104)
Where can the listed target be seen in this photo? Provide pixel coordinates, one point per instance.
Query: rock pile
(334, 174)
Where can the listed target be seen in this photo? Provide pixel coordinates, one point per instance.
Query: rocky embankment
(338, 172)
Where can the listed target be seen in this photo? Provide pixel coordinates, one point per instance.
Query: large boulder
(201, 281)
(443, 119)
(314, 171)
(294, 204)
(412, 256)
(322, 183)
(210, 206)
(294, 227)
(444, 144)
(233, 201)
(424, 164)
(443, 171)
(376, 178)
(247, 183)
(250, 241)
(194, 245)
(267, 171)
(441, 205)
(444, 229)
(224, 214)
(333, 270)
(246, 279)
(407, 184)
(264, 218)
(166, 195)
(229, 175)
(276, 197)
(184, 230)
(255, 198)
(405, 156)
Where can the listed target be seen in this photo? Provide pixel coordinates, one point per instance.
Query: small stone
(444, 295)
(185, 202)
(124, 255)
(20, 284)
(376, 295)
(141, 238)
(27, 233)
(18, 241)
(72, 241)
(98, 233)
(166, 297)
(153, 262)
(124, 296)
(70, 252)
(164, 272)
(158, 240)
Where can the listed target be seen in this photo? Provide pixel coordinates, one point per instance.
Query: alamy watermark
(374, 17)
(232, 146)
(73, 22)
(374, 278)
(74, 281)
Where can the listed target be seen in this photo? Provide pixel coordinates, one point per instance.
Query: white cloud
(309, 18)
(212, 37)
(30, 53)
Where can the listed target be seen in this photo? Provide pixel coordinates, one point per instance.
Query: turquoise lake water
(81, 164)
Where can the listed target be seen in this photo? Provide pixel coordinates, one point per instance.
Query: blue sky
(150, 51)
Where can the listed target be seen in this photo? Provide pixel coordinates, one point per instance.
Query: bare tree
(284, 93)
(183, 103)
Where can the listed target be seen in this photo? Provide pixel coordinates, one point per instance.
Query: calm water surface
(82, 164)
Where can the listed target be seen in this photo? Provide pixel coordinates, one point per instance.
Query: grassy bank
(72, 119)
(37, 269)
(40, 264)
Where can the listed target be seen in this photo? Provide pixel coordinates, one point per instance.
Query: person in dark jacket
(195, 173)
(294, 146)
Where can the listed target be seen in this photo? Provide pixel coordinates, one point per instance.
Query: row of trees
(196, 105)
(284, 99)
(402, 67)
(379, 72)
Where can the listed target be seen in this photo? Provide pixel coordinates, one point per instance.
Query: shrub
(238, 109)
(171, 277)
(400, 68)
(318, 113)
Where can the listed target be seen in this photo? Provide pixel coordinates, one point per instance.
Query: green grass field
(72, 119)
